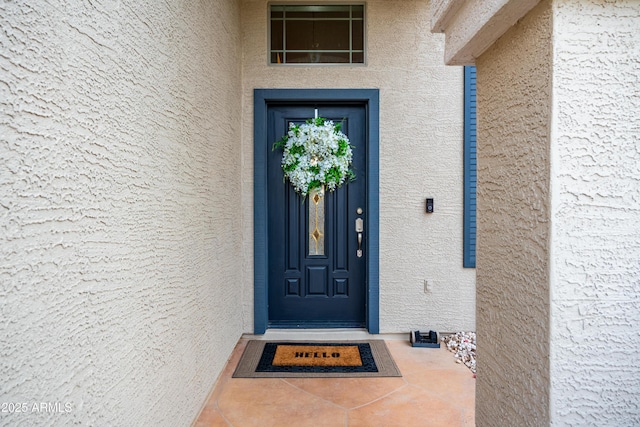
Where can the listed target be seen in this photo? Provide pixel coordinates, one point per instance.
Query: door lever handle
(359, 230)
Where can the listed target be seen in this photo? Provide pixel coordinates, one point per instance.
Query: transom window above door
(320, 34)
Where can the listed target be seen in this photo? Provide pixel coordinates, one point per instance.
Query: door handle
(359, 230)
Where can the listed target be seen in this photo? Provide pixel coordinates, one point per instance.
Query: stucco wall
(514, 107)
(119, 208)
(421, 156)
(596, 214)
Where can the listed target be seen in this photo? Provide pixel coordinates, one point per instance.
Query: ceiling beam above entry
(472, 26)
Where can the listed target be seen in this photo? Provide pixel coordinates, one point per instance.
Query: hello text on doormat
(317, 355)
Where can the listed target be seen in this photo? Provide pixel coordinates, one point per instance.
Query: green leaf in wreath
(333, 175)
(297, 149)
(290, 167)
(342, 148)
(318, 121)
(313, 184)
(280, 144)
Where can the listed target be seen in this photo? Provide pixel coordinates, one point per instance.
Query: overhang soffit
(472, 26)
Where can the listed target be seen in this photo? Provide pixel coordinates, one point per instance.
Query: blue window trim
(261, 100)
(470, 168)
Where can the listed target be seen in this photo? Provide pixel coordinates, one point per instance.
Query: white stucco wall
(421, 156)
(596, 214)
(119, 208)
(514, 113)
(567, 73)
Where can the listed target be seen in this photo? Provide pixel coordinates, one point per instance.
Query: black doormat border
(257, 358)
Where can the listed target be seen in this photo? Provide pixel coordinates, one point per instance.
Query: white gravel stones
(463, 344)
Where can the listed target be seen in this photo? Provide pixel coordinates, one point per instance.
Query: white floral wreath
(316, 153)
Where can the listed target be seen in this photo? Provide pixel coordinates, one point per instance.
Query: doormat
(268, 359)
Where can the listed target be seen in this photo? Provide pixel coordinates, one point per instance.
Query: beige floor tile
(408, 407)
(210, 418)
(434, 391)
(348, 392)
(273, 402)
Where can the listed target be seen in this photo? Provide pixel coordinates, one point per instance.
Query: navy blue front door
(312, 285)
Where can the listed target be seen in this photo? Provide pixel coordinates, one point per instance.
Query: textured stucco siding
(514, 107)
(596, 214)
(421, 125)
(119, 208)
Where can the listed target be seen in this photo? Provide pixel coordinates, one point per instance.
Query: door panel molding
(262, 99)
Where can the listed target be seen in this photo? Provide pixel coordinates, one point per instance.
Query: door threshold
(313, 334)
(332, 334)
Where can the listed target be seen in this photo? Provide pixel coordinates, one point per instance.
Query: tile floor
(433, 391)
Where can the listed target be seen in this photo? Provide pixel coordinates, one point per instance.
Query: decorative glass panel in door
(316, 221)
